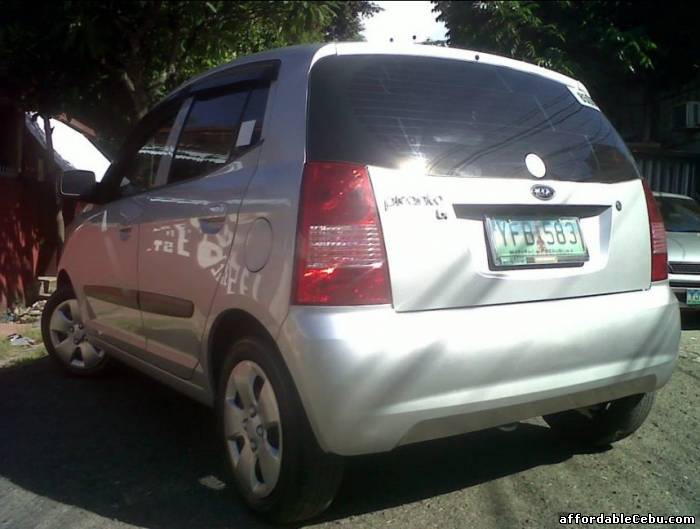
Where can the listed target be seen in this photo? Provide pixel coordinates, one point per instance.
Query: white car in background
(682, 220)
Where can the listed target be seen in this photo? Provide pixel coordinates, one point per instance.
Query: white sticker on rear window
(582, 96)
(245, 134)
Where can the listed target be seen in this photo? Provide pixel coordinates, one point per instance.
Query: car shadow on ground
(126, 448)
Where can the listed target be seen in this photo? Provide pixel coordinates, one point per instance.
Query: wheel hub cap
(252, 428)
(68, 337)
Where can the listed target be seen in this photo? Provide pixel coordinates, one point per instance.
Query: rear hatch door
(494, 185)
(441, 239)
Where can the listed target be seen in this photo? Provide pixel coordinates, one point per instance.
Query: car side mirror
(77, 184)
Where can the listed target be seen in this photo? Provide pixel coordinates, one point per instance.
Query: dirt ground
(123, 451)
(10, 328)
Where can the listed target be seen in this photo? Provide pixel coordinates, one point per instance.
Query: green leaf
(73, 55)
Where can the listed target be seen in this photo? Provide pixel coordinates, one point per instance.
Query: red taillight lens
(659, 249)
(340, 255)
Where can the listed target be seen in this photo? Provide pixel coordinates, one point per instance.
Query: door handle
(125, 232)
(217, 209)
(219, 219)
(214, 220)
(211, 225)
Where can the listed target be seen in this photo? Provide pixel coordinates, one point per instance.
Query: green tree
(106, 63)
(346, 23)
(612, 46)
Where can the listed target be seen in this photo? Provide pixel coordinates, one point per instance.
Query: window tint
(680, 214)
(250, 130)
(216, 129)
(140, 174)
(457, 118)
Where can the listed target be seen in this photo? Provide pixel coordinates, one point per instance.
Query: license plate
(692, 297)
(535, 242)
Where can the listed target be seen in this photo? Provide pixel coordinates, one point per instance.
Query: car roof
(443, 52)
(663, 194)
(308, 54)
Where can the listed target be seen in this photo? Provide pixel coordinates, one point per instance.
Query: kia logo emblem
(542, 192)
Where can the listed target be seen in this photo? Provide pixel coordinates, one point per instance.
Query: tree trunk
(649, 114)
(137, 95)
(50, 171)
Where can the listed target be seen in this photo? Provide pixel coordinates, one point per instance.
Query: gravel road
(124, 451)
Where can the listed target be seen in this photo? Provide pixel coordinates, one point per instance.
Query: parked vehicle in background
(682, 220)
(346, 248)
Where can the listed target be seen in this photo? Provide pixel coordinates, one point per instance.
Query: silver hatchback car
(346, 248)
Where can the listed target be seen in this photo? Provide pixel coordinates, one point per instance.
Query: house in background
(29, 233)
(663, 135)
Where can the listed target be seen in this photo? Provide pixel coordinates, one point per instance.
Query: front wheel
(604, 423)
(64, 336)
(277, 465)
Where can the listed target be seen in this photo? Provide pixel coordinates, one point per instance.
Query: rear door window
(218, 129)
(457, 118)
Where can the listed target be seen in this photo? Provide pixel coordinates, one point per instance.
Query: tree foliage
(106, 63)
(603, 43)
(346, 23)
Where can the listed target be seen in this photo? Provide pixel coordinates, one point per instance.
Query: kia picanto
(346, 248)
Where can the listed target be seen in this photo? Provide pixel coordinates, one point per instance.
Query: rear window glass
(457, 118)
(680, 214)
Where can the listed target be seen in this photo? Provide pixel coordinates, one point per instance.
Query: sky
(76, 149)
(402, 20)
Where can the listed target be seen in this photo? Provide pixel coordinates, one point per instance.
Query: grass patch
(12, 354)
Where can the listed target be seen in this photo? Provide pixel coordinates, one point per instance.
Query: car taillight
(340, 255)
(659, 249)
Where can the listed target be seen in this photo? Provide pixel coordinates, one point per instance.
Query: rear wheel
(277, 465)
(605, 423)
(63, 332)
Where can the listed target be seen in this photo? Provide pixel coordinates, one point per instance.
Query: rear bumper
(680, 283)
(371, 379)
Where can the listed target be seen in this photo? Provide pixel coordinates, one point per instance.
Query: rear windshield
(680, 214)
(457, 118)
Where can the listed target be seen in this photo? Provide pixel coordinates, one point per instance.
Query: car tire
(605, 423)
(64, 337)
(273, 456)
